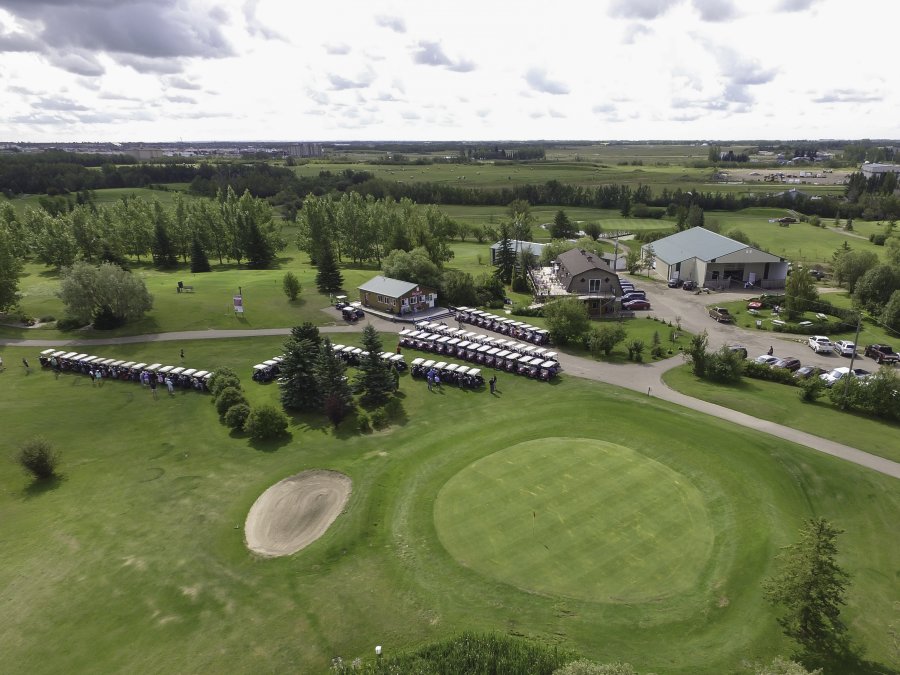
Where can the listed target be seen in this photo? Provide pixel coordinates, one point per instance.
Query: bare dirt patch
(295, 512)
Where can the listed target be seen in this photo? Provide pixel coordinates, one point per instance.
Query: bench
(821, 317)
(185, 289)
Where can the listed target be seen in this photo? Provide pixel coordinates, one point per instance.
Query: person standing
(27, 367)
(170, 386)
(182, 355)
(153, 387)
(493, 384)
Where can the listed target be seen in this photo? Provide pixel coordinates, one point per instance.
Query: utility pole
(852, 359)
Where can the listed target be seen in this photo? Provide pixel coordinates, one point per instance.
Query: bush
(522, 310)
(603, 340)
(223, 377)
(363, 422)
(725, 365)
(520, 285)
(47, 319)
(228, 397)
(379, 418)
(236, 416)
(266, 422)
(811, 389)
(68, 323)
(636, 350)
(761, 371)
(878, 239)
(39, 458)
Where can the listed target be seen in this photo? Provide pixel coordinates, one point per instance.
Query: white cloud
(537, 79)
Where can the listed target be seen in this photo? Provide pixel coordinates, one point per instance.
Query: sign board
(239, 304)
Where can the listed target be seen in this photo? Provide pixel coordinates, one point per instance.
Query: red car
(636, 304)
(754, 304)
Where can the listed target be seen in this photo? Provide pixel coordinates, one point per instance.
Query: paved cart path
(641, 378)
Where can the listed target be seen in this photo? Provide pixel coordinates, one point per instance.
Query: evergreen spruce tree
(374, 379)
(337, 399)
(307, 331)
(299, 386)
(259, 248)
(506, 256)
(328, 278)
(163, 251)
(199, 261)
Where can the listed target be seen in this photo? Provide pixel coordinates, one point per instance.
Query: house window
(594, 286)
(384, 300)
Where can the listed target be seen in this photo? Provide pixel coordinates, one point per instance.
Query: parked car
(689, 285)
(766, 360)
(820, 344)
(845, 348)
(740, 349)
(788, 362)
(806, 372)
(638, 303)
(675, 282)
(634, 295)
(833, 377)
(754, 304)
(721, 314)
(882, 354)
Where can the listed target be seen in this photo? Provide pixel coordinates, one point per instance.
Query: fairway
(577, 517)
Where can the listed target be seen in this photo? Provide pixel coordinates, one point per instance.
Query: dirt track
(295, 512)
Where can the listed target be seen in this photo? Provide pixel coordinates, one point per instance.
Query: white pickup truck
(820, 344)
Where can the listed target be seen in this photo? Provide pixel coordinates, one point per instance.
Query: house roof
(517, 245)
(392, 288)
(578, 261)
(697, 242)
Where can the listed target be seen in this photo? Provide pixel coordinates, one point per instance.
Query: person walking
(182, 355)
(27, 367)
(430, 379)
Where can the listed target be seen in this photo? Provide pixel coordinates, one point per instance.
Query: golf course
(577, 514)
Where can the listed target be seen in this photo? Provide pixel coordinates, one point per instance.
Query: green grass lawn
(135, 560)
(781, 403)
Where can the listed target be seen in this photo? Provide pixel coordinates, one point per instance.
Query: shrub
(379, 418)
(393, 408)
(761, 371)
(68, 323)
(47, 319)
(811, 389)
(39, 458)
(522, 310)
(878, 239)
(236, 416)
(266, 422)
(363, 422)
(223, 377)
(290, 285)
(725, 365)
(602, 340)
(228, 397)
(636, 350)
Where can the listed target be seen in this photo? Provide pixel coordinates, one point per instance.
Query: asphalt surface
(644, 378)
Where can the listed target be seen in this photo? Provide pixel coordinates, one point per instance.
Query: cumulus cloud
(795, 5)
(257, 27)
(181, 83)
(742, 70)
(641, 9)
(339, 82)
(538, 80)
(71, 35)
(178, 98)
(60, 104)
(603, 108)
(143, 64)
(715, 10)
(633, 32)
(846, 96)
(395, 23)
(337, 48)
(431, 54)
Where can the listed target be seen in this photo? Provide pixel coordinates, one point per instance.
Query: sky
(294, 70)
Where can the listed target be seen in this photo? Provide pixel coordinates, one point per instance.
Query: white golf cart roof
(475, 372)
(451, 367)
(138, 366)
(462, 370)
(153, 367)
(165, 369)
(47, 352)
(428, 363)
(201, 373)
(416, 361)
(189, 372)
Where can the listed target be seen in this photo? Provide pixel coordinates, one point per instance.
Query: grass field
(781, 403)
(135, 559)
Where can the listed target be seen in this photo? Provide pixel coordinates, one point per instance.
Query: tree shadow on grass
(849, 660)
(41, 486)
(271, 444)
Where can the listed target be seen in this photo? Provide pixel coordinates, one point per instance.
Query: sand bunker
(295, 512)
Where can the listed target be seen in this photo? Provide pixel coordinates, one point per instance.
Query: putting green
(578, 518)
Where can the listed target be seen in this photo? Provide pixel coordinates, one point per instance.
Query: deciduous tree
(567, 319)
(86, 291)
(799, 293)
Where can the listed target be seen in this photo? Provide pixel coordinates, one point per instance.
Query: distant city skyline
(279, 71)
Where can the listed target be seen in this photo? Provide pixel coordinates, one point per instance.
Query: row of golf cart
(351, 311)
(491, 352)
(117, 369)
(449, 373)
(505, 326)
(353, 355)
(267, 370)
